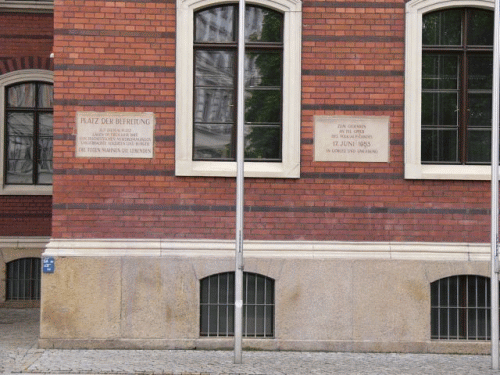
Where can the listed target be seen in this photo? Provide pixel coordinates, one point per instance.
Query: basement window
(217, 305)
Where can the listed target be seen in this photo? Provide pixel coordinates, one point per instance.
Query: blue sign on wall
(48, 265)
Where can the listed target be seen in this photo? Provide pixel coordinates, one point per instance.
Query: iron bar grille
(217, 305)
(23, 279)
(460, 308)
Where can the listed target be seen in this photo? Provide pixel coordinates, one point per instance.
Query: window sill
(228, 169)
(448, 172)
(25, 190)
(26, 5)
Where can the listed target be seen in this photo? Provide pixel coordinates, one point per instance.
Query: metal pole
(494, 189)
(240, 181)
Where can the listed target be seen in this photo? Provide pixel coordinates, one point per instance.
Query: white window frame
(26, 5)
(289, 167)
(8, 79)
(414, 169)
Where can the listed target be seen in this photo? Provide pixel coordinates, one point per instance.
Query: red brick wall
(352, 64)
(25, 43)
(25, 215)
(28, 34)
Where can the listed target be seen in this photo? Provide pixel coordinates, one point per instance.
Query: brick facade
(352, 64)
(26, 40)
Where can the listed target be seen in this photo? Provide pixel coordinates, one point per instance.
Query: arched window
(460, 308)
(217, 305)
(28, 133)
(206, 73)
(26, 125)
(448, 89)
(457, 77)
(215, 84)
(23, 279)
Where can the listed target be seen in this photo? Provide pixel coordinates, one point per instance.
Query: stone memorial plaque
(114, 135)
(351, 138)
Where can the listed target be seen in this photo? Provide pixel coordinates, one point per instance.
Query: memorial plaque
(114, 135)
(351, 138)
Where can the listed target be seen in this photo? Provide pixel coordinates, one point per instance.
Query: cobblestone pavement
(19, 354)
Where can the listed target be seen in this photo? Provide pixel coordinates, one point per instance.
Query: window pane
(435, 294)
(471, 323)
(231, 287)
(479, 146)
(249, 289)
(480, 106)
(204, 291)
(443, 293)
(212, 141)
(204, 320)
(212, 320)
(481, 292)
(269, 292)
(453, 290)
(443, 327)
(223, 329)
(269, 323)
(439, 72)
(262, 142)
(259, 320)
(263, 106)
(453, 323)
(45, 166)
(249, 319)
(471, 291)
(442, 28)
(214, 105)
(480, 74)
(263, 68)
(45, 96)
(261, 288)
(45, 124)
(223, 288)
(19, 123)
(21, 95)
(215, 25)
(439, 145)
(482, 334)
(213, 288)
(263, 25)
(439, 108)
(214, 68)
(19, 148)
(480, 28)
(434, 323)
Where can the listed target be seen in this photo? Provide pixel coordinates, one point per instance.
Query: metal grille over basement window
(23, 279)
(217, 305)
(460, 308)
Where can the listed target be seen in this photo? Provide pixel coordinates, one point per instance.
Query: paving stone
(19, 354)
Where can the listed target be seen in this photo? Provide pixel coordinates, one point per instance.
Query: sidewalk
(19, 354)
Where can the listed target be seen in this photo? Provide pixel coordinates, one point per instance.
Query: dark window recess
(457, 72)
(460, 308)
(217, 305)
(23, 279)
(28, 134)
(215, 84)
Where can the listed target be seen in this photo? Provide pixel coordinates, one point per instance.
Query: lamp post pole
(240, 180)
(494, 189)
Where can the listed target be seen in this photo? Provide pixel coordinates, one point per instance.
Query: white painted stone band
(270, 249)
